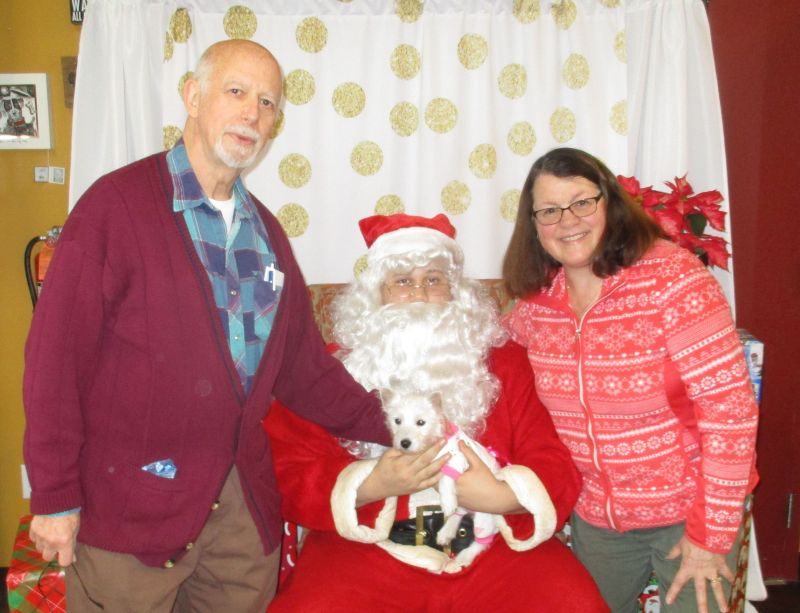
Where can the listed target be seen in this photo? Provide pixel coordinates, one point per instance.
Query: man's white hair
(423, 347)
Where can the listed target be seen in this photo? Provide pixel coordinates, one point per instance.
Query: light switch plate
(41, 174)
(57, 175)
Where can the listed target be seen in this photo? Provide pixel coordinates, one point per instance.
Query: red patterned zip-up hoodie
(650, 392)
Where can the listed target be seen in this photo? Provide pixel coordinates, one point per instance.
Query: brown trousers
(224, 570)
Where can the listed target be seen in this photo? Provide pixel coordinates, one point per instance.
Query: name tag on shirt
(274, 276)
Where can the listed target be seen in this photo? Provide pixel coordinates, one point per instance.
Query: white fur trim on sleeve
(343, 506)
(532, 494)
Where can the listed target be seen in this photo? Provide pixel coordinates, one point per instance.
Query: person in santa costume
(410, 323)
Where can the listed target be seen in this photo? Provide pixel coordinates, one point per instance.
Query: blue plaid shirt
(237, 263)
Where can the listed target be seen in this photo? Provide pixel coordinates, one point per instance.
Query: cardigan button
(189, 546)
(215, 506)
(169, 563)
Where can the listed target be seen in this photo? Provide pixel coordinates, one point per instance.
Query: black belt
(423, 530)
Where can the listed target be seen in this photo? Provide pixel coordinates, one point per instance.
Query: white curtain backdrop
(422, 107)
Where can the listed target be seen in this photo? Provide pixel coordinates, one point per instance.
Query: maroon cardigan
(127, 363)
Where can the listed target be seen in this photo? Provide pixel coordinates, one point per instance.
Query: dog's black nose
(405, 443)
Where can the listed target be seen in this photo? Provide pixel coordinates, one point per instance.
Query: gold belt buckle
(420, 532)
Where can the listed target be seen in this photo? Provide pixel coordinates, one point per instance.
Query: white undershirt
(225, 207)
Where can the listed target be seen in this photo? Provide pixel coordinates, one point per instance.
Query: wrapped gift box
(754, 356)
(32, 583)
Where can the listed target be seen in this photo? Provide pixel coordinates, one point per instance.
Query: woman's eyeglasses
(580, 208)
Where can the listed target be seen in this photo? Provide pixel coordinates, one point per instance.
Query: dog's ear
(436, 400)
(386, 395)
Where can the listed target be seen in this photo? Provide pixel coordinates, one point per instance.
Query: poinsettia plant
(684, 216)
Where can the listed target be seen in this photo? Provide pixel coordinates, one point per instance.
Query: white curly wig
(422, 347)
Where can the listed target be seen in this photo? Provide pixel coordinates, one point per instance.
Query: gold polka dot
(521, 138)
(180, 26)
(294, 219)
(311, 35)
(360, 265)
(441, 115)
(618, 117)
(526, 11)
(405, 62)
(294, 170)
(564, 13)
(509, 204)
(456, 197)
(299, 87)
(389, 205)
(575, 71)
(472, 51)
(562, 124)
(349, 99)
(171, 136)
(277, 127)
(404, 118)
(610, 4)
(240, 22)
(513, 81)
(408, 10)
(366, 158)
(169, 47)
(182, 82)
(619, 47)
(483, 161)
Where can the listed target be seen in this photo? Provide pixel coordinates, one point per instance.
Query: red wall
(756, 48)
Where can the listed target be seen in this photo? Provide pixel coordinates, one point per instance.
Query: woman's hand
(699, 565)
(479, 490)
(398, 474)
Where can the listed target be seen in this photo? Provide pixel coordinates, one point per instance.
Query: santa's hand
(54, 536)
(399, 474)
(704, 568)
(479, 490)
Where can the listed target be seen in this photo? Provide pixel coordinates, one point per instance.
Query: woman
(638, 361)
(411, 320)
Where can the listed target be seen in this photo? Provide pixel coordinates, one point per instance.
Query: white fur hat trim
(408, 240)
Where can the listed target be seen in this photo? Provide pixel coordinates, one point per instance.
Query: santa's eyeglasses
(433, 285)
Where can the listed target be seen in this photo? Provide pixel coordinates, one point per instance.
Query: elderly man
(174, 312)
(410, 323)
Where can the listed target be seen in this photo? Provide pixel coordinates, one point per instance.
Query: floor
(782, 598)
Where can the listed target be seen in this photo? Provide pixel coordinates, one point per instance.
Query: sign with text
(76, 9)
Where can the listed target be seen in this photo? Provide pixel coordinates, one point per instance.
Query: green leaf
(697, 223)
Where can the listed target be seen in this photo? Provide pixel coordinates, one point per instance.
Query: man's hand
(701, 566)
(398, 474)
(55, 536)
(478, 489)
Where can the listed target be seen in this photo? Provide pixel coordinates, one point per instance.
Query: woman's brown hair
(629, 232)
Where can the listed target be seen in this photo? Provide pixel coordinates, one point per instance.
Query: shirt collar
(188, 193)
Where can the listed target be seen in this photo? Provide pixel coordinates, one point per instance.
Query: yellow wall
(35, 35)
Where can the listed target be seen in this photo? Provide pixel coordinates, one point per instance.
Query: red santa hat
(399, 234)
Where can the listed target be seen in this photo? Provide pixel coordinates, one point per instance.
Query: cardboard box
(32, 583)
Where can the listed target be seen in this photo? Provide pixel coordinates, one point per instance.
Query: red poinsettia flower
(684, 215)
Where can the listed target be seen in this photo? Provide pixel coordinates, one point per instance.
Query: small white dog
(416, 421)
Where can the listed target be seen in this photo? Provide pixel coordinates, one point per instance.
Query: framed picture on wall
(24, 111)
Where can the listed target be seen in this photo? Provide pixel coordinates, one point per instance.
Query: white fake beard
(419, 348)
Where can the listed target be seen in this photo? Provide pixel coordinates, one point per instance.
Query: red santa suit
(525, 568)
